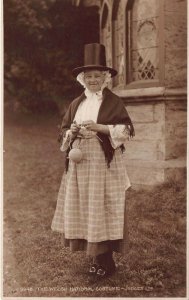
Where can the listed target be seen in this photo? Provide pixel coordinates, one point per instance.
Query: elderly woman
(91, 208)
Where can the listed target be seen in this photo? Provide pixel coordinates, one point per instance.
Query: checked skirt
(91, 200)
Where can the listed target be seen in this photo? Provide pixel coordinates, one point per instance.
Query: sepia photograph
(94, 149)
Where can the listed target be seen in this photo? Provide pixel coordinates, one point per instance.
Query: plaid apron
(91, 199)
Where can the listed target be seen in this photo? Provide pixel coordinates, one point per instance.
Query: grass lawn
(35, 262)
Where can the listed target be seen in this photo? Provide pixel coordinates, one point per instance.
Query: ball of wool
(75, 155)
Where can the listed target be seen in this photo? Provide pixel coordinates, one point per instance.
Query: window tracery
(142, 41)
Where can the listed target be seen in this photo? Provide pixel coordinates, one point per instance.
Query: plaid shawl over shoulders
(112, 112)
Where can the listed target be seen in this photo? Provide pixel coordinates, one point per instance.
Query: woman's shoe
(106, 264)
(103, 272)
(93, 269)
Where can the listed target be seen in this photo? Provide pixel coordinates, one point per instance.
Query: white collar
(96, 95)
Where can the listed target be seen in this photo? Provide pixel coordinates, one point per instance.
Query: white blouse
(88, 110)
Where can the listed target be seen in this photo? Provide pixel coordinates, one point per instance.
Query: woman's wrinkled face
(94, 80)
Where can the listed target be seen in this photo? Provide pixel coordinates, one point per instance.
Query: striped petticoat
(91, 199)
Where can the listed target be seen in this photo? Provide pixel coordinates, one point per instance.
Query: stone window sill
(152, 92)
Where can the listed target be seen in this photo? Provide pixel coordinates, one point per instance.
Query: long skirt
(91, 207)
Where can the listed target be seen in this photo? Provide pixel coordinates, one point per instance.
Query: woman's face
(94, 80)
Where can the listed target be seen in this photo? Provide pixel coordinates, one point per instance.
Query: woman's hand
(91, 125)
(74, 128)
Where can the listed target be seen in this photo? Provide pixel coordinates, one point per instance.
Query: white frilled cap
(107, 79)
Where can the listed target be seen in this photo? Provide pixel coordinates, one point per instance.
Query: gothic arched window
(142, 39)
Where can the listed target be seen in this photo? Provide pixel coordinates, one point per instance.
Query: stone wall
(148, 143)
(161, 129)
(158, 151)
(175, 129)
(158, 108)
(175, 39)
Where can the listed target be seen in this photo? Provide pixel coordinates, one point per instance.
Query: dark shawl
(112, 112)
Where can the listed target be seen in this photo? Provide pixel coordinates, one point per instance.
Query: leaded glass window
(142, 41)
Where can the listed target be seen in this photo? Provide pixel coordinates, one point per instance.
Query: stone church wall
(155, 91)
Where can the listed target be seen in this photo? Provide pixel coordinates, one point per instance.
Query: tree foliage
(43, 41)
